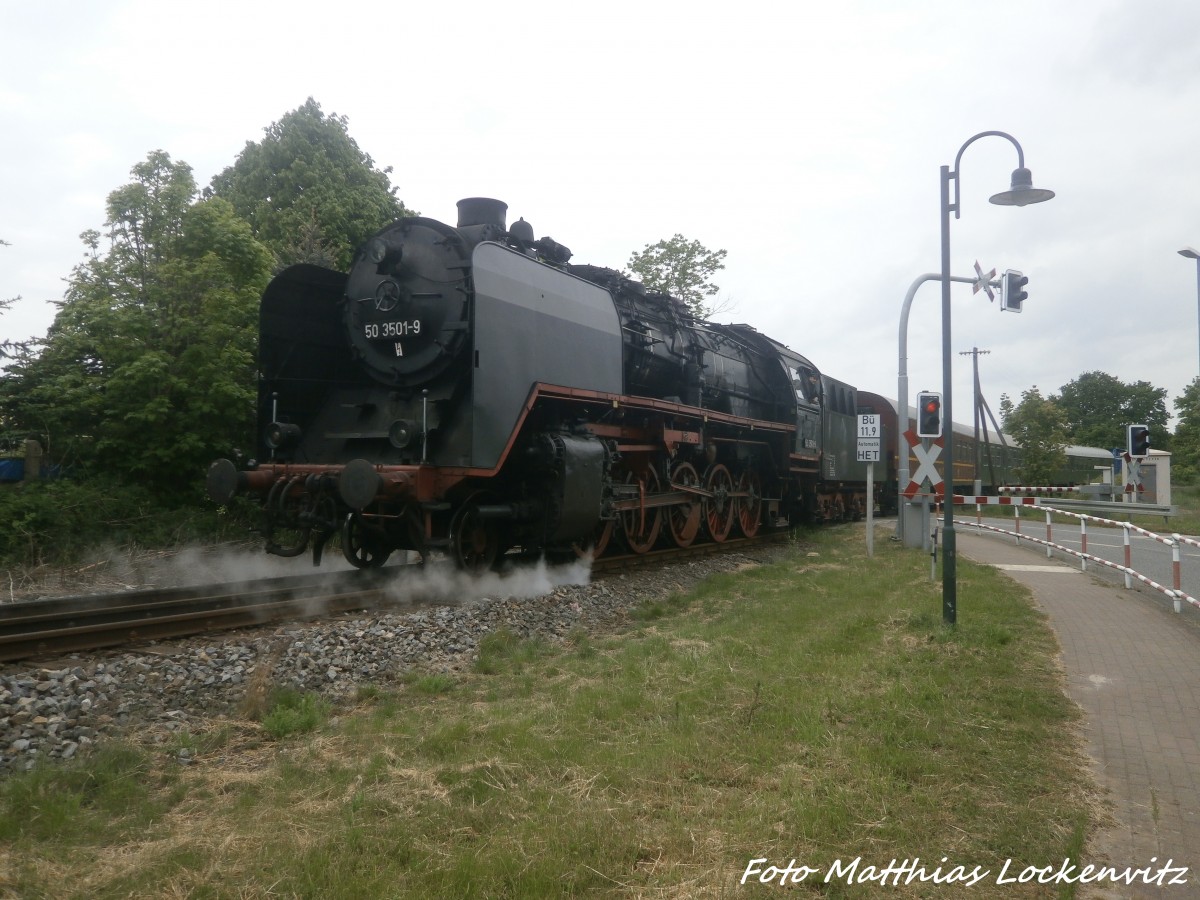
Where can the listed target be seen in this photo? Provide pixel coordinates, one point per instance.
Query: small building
(21, 465)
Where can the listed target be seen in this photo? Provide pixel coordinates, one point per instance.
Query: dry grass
(811, 710)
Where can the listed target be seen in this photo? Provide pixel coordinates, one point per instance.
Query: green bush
(294, 713)
(55, 522)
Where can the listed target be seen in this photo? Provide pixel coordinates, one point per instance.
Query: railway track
(62, 625)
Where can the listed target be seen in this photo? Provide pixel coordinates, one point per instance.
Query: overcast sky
(804, 138)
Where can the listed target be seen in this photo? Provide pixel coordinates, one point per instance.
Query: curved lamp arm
(1020, 193)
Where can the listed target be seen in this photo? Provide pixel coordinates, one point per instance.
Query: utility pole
(976, 352)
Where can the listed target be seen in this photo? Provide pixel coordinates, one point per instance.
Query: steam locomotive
(468, 390)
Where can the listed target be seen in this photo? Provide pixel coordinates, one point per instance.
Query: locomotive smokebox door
(407, 310)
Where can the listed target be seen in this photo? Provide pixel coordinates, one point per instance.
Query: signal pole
(976, 352)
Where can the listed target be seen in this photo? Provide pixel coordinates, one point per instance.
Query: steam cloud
(437, 581)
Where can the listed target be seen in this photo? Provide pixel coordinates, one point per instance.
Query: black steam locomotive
(468, 389)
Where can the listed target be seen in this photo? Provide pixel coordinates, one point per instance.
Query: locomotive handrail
(619, 400)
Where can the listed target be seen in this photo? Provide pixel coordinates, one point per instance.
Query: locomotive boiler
(468, 389)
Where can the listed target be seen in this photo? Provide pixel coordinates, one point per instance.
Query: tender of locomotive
(467, 389)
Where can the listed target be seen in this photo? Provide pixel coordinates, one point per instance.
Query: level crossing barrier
(1035, 490)
(1175, 541)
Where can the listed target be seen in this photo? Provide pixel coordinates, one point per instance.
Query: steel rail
(63, 625)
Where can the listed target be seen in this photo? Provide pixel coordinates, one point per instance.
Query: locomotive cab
(805, 381)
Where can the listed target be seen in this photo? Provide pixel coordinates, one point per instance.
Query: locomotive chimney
(481, 211)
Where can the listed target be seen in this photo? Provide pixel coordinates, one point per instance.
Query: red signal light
(929, 415)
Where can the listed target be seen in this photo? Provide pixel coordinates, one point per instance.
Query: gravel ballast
(60, 710)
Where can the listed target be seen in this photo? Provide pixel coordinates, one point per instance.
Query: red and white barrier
(1175, 592)
(995, 501)
(1036, 490)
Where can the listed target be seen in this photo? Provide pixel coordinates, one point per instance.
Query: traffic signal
(1137, 440)
(1012, 291)
(929, 414)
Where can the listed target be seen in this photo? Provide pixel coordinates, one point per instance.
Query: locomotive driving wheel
(684, 518)
(474, 540)
(364, 545)
(642, 525)
(749, 503)
(598, 542)
(719, 508)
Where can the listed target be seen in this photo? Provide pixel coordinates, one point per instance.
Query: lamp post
(1020, 193)
(1192, 254)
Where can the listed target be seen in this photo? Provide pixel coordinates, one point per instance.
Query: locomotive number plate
(376, 330)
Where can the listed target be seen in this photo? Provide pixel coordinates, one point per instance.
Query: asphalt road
(1151, 558)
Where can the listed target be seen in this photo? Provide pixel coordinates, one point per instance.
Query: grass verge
(814, 710)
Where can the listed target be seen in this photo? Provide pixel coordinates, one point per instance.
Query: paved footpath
(1134, 667)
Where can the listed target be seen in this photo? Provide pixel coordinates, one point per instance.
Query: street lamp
(1192, 254)
(1020, 193)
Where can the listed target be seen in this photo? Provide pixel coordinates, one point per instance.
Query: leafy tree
(1040, 427)
(8, 348)
(1098, 406)
(148, 368)
(309, 245)
(681, 268)
(1185, 445)
(307, 190)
